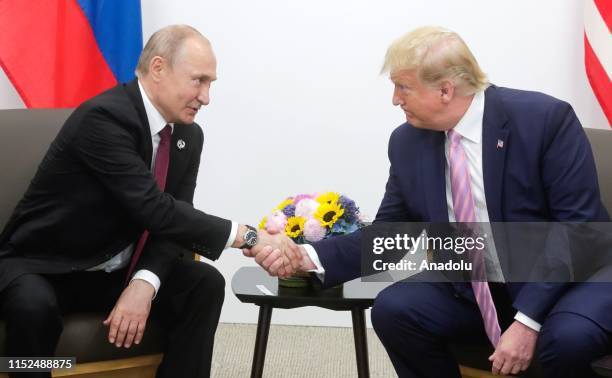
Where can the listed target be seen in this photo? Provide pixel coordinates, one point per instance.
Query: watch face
(250, 237)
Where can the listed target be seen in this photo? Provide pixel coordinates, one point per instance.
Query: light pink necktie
(162, 160)
(465, 212)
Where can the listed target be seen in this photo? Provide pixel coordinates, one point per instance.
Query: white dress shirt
(470, 128)
(122, 259)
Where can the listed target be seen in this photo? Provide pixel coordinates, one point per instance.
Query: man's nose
(204, 95)
(397, 100)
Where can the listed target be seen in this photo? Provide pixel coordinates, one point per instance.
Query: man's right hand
(291, 254)
(273, 260)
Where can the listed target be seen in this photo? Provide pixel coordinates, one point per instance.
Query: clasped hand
(515, 350)
(277, 254)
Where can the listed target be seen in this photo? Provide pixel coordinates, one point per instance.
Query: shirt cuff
(232, 235)
(150, 277)
(319, 271)
(526, 320)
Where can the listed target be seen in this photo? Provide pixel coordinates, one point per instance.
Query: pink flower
(300, 197)
(276, 222)
(313, 231)
(306, 208)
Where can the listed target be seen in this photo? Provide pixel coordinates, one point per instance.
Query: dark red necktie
(162, 159)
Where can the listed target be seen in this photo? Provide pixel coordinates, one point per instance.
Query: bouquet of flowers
(312, 217)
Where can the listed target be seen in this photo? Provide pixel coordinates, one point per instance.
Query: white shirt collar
(470, 125)
(156, 120)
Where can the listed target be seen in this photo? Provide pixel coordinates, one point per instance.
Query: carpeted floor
(296, 351)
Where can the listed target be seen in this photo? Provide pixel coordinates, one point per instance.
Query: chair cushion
(85, 337)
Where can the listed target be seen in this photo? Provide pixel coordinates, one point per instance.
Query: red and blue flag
(58, 53)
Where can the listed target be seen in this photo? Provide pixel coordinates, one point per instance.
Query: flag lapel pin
(500, 143)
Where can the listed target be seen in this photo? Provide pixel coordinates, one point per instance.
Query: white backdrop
(299, 105)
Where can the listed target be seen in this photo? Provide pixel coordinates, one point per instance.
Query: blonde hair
(166, 43)
(436, 54)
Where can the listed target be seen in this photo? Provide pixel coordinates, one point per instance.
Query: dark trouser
(417, 320)
(187, 307)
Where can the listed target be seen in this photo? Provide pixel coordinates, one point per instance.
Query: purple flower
(289, 210)
(351, 211)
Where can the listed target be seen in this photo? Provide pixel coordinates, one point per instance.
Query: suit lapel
(180, 148)
(146, 148)
(495, 139)
(433, 163)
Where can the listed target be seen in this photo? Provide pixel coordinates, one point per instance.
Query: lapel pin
(500, 143)
(180, 144)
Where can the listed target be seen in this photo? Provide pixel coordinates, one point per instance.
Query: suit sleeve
(109, 151)
(341, 256)
(568, 169)
(392, 207)
(570, 181)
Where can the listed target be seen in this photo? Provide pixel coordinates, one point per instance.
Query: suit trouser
(417, 320)
(187, 306)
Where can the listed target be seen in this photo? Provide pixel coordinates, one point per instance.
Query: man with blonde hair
(474, 152)
(108, 223)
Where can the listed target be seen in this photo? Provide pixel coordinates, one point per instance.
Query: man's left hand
(514, 350)
(129, 316)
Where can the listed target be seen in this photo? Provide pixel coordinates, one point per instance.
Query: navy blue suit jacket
(544, 172)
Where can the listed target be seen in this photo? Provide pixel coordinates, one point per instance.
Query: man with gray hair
(474, 152)
(108, 223)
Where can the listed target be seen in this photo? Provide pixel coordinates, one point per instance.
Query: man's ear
(156, 68)
(447, 91)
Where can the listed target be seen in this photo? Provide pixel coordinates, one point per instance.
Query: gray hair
(165, 43)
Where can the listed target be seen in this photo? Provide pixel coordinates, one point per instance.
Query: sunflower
(328, 213)
(295, 226)
(262, 224)
(282, 205)
(329, 198)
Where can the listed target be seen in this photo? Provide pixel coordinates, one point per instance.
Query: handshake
(279, 255)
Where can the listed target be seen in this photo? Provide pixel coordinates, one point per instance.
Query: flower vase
(310, 218)
(297, 280)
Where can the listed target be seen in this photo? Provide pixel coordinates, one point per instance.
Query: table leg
(361, 342)
(261, 341)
